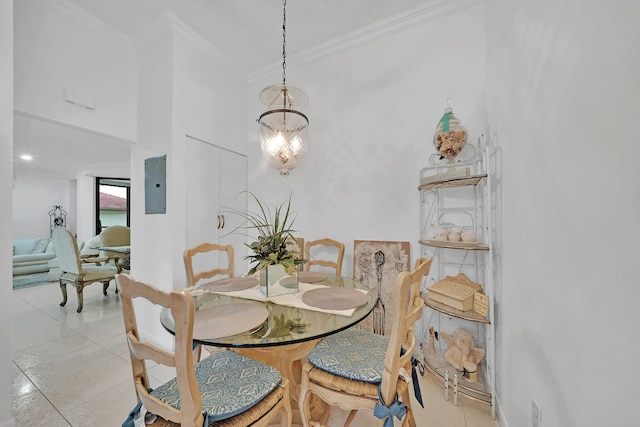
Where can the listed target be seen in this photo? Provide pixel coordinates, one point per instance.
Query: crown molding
(96, 24)
(429, 11)
(168, 23)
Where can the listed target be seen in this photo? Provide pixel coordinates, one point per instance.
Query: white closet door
(233, 197)
(203, 187)
(216, 184)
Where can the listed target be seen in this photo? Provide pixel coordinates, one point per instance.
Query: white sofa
(32, 256)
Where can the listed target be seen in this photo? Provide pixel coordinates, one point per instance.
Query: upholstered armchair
(117, 236)
(75, 272)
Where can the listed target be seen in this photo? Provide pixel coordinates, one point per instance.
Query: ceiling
(249, 33)
(63, 151)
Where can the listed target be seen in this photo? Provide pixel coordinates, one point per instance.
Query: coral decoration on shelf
(450, 136)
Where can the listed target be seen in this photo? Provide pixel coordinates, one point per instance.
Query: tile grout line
(84, 337)
(44, 396)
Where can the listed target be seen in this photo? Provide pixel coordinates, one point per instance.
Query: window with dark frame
(112, 202)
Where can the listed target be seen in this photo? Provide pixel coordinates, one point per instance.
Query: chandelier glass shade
(283, 129)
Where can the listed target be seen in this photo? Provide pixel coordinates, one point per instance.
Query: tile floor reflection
(73, 369)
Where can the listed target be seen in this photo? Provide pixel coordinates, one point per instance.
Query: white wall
(373, 109)
(6, 183)
(33, 198)
(208, 105)
(59, 47)
(62, 48)
(563, 100)
(183, 90)
(152, 235)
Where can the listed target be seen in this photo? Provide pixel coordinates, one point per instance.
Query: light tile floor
(73, 369)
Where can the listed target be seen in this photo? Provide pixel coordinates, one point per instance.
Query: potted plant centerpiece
(275, 261)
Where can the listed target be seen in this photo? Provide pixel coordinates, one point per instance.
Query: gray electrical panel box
(155, 185)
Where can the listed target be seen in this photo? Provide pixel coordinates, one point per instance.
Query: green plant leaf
(272, 226)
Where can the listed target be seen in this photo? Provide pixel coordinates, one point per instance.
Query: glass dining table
(287, 336)
(123, 262)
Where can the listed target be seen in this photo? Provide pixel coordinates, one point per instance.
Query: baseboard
(502, 420)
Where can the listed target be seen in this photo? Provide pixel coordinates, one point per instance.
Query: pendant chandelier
(283, 129)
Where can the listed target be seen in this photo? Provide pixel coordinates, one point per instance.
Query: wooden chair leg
(80, 297)
(303, 397)
(197, 353)
(350, 418)
(63, 289)
(286, 411)
(105, 286)
(409, 415)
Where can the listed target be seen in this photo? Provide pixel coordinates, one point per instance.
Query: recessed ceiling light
(26, 157)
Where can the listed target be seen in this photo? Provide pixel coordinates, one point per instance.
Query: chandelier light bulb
(296, 144)
(275, 143)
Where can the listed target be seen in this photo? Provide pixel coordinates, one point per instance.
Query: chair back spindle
(212, 249)
(315, 246)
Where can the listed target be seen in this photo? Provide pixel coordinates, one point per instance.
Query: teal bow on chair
(396, 409)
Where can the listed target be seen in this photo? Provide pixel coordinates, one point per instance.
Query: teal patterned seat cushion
(229, 384)
(354, 354)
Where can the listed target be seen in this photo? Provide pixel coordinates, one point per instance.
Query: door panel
(216, 184)
(233, 197)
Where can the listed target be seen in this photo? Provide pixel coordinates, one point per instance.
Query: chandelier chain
(284, 43)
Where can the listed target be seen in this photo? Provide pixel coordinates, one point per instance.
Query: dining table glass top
(126, 249)
(284, 324)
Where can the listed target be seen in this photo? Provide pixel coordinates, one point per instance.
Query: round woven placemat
(226, 320)
(230, 284)
(335, 298)
(311, 276)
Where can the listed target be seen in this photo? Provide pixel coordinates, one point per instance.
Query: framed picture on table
(377, 264)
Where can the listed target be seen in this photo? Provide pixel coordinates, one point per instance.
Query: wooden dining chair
(357, 369)
(296, 244)
(211, 250)
(225, 389)
(317, 252)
